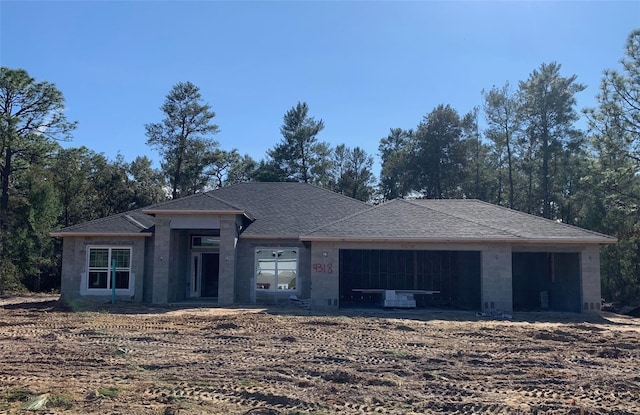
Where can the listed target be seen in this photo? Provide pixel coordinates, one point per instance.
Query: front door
(204, 274)
(209, 275)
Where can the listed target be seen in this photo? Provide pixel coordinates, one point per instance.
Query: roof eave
(288, 237)
(399, 239)
(127, 234)
(563, 241)
(569, 241)
(193, 212)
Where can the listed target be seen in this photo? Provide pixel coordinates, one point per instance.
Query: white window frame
(84, 280)
(273, 287)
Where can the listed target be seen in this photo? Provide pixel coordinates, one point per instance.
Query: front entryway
(205, 267)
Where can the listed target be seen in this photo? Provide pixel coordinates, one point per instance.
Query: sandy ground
(143, 360)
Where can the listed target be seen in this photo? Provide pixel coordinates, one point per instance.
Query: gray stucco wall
(179, 265)
(591, 284)
(147, 285)
(497, 290)
(227, 270)
(161, 260)
(74, 263)
(72, 266)
(325, 278)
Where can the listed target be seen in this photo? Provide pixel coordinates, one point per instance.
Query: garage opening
(456, 274)
(546, 281)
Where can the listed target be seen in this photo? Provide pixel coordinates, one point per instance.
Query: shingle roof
(450, 220)
(512, 221)
(276, 209)
(298, 210)
(287, 209)
(130, 223)
(204, 202)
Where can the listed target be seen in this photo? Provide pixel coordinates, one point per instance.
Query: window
(101, 263)
(205, 241)
(276, 269)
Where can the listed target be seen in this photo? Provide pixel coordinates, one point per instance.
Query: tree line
(520, 148)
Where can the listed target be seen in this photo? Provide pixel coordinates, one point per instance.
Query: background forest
(520, 148)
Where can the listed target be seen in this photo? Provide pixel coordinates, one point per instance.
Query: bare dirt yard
(148, 360)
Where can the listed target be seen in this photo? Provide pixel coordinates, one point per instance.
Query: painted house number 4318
(323, 268)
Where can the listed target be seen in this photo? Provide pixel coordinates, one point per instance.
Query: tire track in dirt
(285, 362)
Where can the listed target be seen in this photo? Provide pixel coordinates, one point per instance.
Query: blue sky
(363, 67)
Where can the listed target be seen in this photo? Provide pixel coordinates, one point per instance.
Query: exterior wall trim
(602, 241)
(109, 234)
(129, 292)
(192, 212)
(270, 237)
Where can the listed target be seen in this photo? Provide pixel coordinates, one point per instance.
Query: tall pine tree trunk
(4, 203)
(546, 196)
(510, 168)
(4, 218)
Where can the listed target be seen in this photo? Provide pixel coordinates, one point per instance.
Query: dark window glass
(98, 279)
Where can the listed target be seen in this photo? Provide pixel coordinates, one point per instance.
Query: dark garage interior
(546, 281)
(456, 274)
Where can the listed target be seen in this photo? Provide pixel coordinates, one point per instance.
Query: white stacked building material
(393, 299)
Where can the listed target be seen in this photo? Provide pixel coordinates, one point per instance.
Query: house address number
(323, 268)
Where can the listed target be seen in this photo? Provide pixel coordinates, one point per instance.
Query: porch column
(161, 252)
(590, 274)
(497, 282)
(226, 280)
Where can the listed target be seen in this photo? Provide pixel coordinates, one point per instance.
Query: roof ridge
(153, 206)
(226, 202)
(466, 219)
(296, 183)
(348, 216)
(103, 219)
(134, 222)
(547, 219)
(244, 210)
(324, 189)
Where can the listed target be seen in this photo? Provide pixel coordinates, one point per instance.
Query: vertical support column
(74, 263)
(227, 270)
(325, 276)
(497, 283)
(138, 268)
(161, 252)
(590, 276)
